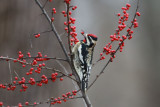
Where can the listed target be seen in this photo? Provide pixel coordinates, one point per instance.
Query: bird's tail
(84, 84)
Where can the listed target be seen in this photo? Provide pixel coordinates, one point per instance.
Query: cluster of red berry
(107, 50)
(58, 100)
(36, 66)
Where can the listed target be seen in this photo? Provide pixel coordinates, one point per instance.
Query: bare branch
(43, 32)
(86, 99)
(69, 30)
(74, 84)
(45, 3)
(10, 70)
(17, 75)
(60, 59)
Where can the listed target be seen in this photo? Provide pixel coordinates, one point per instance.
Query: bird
(82, 58)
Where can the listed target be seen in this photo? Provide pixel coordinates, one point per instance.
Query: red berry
(65, 15)
(14, 82)
(52, 19)
(61, 79)
(26, 103)
(128, 5)
(124, 37)
(124, 11)
(27, 73)
(135, 24)
(64, 100)
(19, 52)
(31, 69)
(53, 9)
(123, 8)
(19, 105)
(70, 12)
(55, 12)
(35, 103)
(40, 65)
(56, 73)
(66, 28)
(75, 7)
(30, 72)
(103, 57)
(118, 14)
(1, 103)
(36, 36)
(82, 33)
(34, 62)
(130, 37)
(16, 78)
(43, 64)
(138, 14)
(63, 12)
(21, 56)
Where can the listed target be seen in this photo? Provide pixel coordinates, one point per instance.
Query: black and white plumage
(82, 58)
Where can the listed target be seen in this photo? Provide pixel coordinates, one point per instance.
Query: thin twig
(60, 59)
(9, 65)
(43, 32)
(68, 26)
(74, 84)
(45, 3)
(62, 34)
(17, 75)
(30, 41)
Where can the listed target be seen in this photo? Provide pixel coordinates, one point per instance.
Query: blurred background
(131, 80)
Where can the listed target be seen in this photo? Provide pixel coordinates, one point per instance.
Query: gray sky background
(132, 80)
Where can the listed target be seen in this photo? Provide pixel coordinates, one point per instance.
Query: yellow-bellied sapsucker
(82, 58)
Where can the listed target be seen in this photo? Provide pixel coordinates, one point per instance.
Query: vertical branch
(86, 99)
(84, 95)
(69, 44)
(68, 25)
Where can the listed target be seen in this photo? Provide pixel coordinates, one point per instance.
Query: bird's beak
(85, 36)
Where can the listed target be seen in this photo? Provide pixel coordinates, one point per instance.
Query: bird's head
(90, 39)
